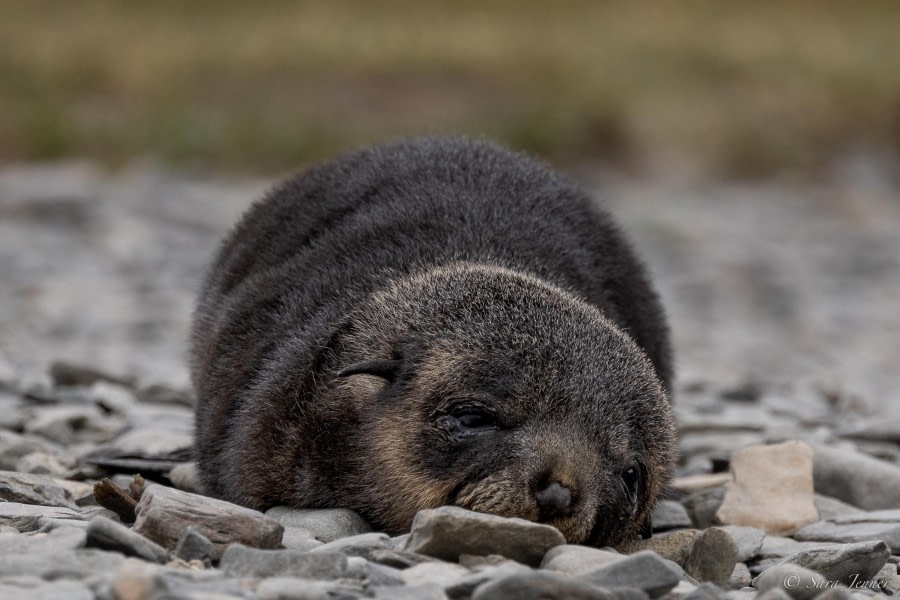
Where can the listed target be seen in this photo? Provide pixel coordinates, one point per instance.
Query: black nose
(553, 501)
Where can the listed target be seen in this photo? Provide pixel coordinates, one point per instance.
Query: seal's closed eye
(386, 369)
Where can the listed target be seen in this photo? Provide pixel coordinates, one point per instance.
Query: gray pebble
(185, 477)
(375, 574)
(707, 591)
(14, 446)
(297, 538)
(466, 585)
(326, 524)
(357, 545)
(668, 514)
(295, 588)
(44, 463)
(425, 592)
(845, 563)
(108, 535)
(62, 563)
(241, 561)
(797, 582)
(829, 507)
(192, 545)
(539, 585)
(142, 580)
(740, 577)
(34, 588)
(34, 489)
(713, 557)
(26, 517)
(856, 478)
(440, 573)
(398, 559)
(449, 531)
(644, 570)
(572, 559)
(703, 504)
(826, 531)
(749, 540)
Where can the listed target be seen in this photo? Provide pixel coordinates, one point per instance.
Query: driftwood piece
(111, 496)
(164, 512)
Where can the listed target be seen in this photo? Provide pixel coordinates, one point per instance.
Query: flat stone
(740, 577)
(466, 585)
(295, 588)
(327, 524)
(398, 559)
(889, 578)
(240, 561)
(675, 546)
(572, 559)
(138, 580)
(826, 531)
(41, 543)
(298, 538)
(856, 478)
(160, 393)
(421, 592)
(874, 516)
(26, 517)
(68, 374)
(539, 585)
(712, 557)
(829, 507)
(14, 446)
(68, 424)
(703, 504)
(775, 546)
(357, 545)
(696, 483)
(44, 463)
(440, 573)
(704, 591)
(772, 488)
(668, 514)
(76, 564)
(149, 442)
(81, 492)
(112, 397)
(34, 489)
(449, 531)
(645, 571)
(164, 512)
(845, 563)
(185, 477)
(34, 588)
(797, 582)
(749, 540)
(108, 535)
(375, 574)
(883, 428)
(192, 545)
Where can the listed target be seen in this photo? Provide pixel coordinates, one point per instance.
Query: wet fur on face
(434, 322)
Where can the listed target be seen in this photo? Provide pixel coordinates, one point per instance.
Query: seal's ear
(386, 369)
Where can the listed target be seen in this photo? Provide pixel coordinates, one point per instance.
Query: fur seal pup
(434, 322)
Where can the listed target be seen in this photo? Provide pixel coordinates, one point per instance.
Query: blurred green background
(725, 89)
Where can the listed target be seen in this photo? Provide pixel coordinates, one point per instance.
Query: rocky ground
(782, 299)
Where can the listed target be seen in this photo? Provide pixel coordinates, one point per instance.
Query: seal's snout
(554, 501)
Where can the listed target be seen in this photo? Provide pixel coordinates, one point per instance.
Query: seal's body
(434, 322)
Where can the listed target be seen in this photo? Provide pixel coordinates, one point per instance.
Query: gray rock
(164, 512)
(675, 546)
(713, 557)
(645, 571)
(357, 545)
(26, 517)
(159, 393)
(837, 594)
(883, 428)
(112, 397)
(375, 574)
(749, 540)
(845, 563)
(707, 591)
(856, 478)
(79, 564)
(775, 593)
(740, 577)
(44, 463)
(778, 547)
(797, 582)
(68, 424)
(889, 578)
(34, 588)
(240, 561)
(68, 374)
(185, 477)
(42, 543)
(826, 531)
(539, 585)
(192, 545)
(82, 493)
(14, 446)
(449, 531)
(398, 559)
(295, 588)
(703, 504)
(326, 524)
(829, 507)
(440, 573)
(297, 538)
(466, 585)
(108, 535)
(572, 559)
(34, 489)
(155, 441)
(875, 516)
(668, 514)
(136, 579)
(424, 592)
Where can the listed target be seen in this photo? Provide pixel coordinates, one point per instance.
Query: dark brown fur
(487, 290)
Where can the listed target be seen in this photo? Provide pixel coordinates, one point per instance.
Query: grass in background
(739, 88)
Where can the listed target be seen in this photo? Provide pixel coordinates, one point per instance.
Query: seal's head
(494, 391)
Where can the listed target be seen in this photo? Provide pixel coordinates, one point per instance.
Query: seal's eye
(465, 421)
(631, 480)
